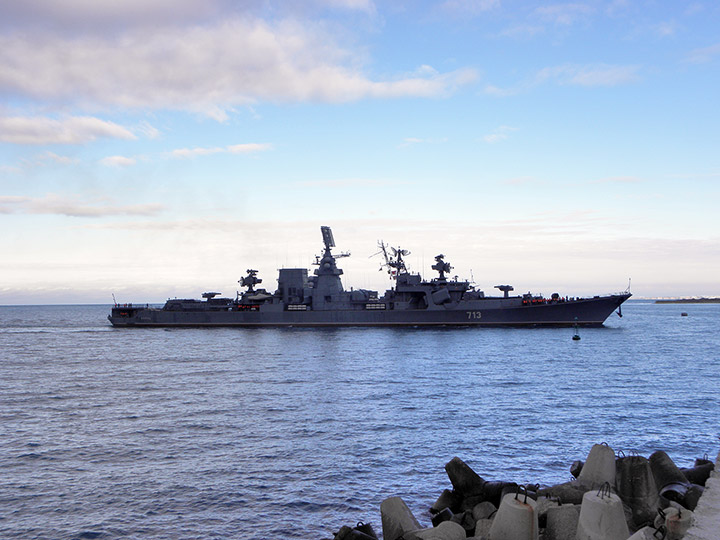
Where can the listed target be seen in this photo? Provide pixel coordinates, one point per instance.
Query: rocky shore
(611, 497)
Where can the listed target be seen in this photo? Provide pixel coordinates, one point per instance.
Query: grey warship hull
(490, 312)
(320, 301)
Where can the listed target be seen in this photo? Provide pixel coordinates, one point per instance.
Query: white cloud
(91, 13)
(472, 7)
(500, 134)
(102, 16)
(589, 75)
(246, 148)
(493, 90)
(664, 29)
(208, 68)
(69, 130)
(9, 204)
(193, 152)
(522, 31)
(346, 182)
(564, 14)
(118, 161)
(58, 205)
(148, 130)
(55, 158)
(409, 141)
(494, 137)
(618, 180)
(367, 6)
(704, 55)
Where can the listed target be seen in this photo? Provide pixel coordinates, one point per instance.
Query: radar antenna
(329, 242)
(393, 262)
(327, 236)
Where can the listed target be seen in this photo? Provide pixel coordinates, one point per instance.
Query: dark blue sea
(291, 433)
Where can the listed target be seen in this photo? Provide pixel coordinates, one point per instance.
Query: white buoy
(516, 518)
(599, 467)
(602, 516)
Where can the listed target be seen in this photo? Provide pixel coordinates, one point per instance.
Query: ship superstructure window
(328, 298)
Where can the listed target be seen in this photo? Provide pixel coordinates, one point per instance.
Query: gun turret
(441, 266)
(250, 280)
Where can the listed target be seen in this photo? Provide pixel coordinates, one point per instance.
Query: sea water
(292, 433)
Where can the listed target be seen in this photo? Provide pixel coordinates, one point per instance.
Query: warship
(321, 300)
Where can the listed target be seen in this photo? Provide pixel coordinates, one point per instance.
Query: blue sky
(160, 148)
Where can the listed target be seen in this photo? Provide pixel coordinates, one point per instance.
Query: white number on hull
(474, 314)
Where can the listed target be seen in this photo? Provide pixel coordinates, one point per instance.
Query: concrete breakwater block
(599, 467)
(561, 522)
(676, 521)
(483, 510)
(567, 492)
(447, 530)
(602, 517)
(466, 521)
(647, 533)
(516, 519)
(707, 513)
(699, 473)
(443, 515)
(543, 505)
(447, 499)
(628, 501)
(397, 519)
(482, 528)
(494, 491)
(465, 481)
(362, 531)
(636, 487)
(668, 477)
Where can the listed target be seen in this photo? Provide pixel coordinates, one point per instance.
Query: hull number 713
(474, 314)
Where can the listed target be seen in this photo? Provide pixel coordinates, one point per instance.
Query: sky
(160, 148)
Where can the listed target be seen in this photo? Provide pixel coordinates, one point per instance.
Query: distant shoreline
(689, 301)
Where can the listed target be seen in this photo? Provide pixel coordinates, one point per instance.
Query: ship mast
(393, 262)
(328, 274)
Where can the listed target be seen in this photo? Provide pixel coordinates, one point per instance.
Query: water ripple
(290, 433)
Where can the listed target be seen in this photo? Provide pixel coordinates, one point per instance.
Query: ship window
(328, 298)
